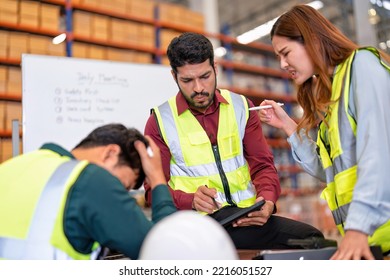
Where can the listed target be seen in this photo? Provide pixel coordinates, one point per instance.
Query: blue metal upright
(157, 58)
(229, 54)
(69, 27)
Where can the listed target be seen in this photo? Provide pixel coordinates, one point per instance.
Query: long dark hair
(327, 47)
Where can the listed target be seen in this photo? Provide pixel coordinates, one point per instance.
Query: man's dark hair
(122, 136)
(189, 48)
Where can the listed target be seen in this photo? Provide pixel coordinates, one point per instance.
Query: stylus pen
(264, 107)
(215, 203)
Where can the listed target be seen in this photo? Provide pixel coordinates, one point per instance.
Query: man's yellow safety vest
(32, 209)
(196, 162)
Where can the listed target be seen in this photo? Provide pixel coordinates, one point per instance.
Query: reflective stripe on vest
(194, 161)
(338, 152)
(37, 244)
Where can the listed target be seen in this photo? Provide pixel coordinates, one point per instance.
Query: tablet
(228, 214)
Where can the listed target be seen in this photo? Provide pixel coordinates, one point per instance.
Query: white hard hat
(188, 235)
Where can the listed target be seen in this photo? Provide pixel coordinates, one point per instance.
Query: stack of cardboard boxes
(118, 30)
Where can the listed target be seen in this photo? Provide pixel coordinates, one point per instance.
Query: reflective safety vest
(32, 207)
(337, 150)
(196, 162)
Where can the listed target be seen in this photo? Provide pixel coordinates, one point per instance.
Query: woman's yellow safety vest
(32, 210)
(196, 162)
(337, 150)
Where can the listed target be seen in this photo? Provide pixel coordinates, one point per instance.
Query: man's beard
(204, 93)
(197, 105)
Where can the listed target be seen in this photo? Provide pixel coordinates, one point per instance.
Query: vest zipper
(222, 174)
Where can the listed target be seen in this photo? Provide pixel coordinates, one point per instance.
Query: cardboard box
(166, 37)
(14, 74)
(9, 6)
(51, 24)
(2, 115)
(57, 50)
(29, 13)
(82, 23)
(80, 50)
(29, 20)
(143, 58)
(9, 11)
(14, 82)
(38, 44)
(132, 32)
(4, 37)
(118, 30)
(96, 52)
(3, 50)
(15, 53)
(29, 8)
(13, 110)
(141, 8)
(192, 19)
(114, 6)
(50, 17)
(3, 79)
(3, 73)
(9, 17)
(18, 41)
(14, 89)
(92, 3)
(113, 54)
(170, 12)
(147, 35)
(6, 148)
(3, 87)
(49, 11)
(99, 27)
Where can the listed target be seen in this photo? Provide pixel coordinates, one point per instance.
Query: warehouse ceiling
(239, 16)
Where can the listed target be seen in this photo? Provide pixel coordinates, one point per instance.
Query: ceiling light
(256, 33)
(386, 5)
(220, 52)
(316, 4)
(59, 39)
(371, 12)
(265, 29)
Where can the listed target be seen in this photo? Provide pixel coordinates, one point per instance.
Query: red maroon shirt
(256, 151)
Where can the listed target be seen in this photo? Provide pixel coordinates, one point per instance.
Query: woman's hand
(354, 246)
(277, 117)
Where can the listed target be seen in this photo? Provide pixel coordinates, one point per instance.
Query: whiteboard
(66, 98)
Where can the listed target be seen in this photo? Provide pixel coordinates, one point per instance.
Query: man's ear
(110, 154)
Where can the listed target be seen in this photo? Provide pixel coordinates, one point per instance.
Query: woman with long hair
(344, 91)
